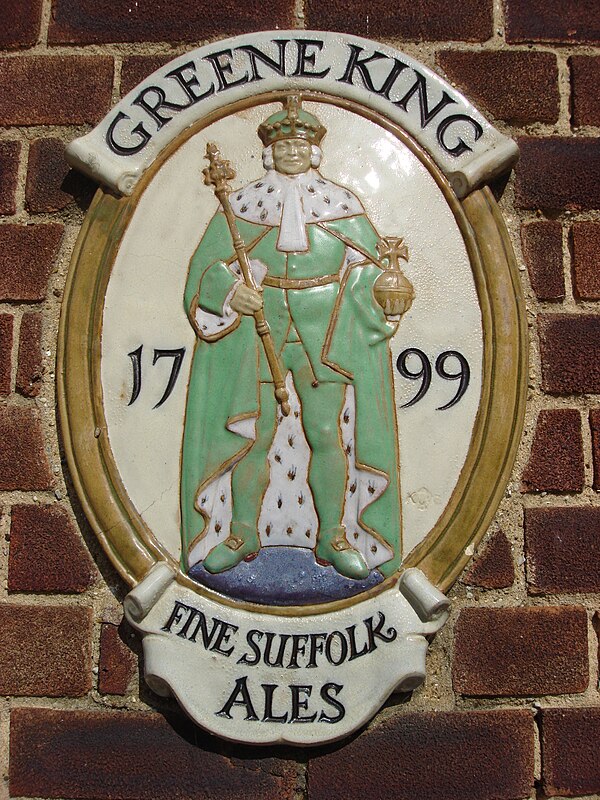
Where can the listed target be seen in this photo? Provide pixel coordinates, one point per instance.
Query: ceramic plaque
(292, 371)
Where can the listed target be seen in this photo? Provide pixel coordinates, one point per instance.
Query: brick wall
(511, 707)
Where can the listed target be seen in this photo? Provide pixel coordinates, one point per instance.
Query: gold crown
(291, 123)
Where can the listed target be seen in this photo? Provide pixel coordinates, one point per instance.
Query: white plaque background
(144, 305)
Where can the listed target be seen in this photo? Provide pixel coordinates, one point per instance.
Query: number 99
(424, 372)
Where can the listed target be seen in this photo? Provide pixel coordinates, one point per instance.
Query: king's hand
(246, 300)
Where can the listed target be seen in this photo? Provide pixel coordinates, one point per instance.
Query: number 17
(136, 362)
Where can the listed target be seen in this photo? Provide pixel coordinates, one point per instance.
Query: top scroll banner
(466, 147)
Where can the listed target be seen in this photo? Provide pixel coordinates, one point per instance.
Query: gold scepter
(217, 174)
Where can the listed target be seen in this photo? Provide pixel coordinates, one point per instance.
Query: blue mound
(282, 576)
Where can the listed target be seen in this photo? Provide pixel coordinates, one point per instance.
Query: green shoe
(234, 549)
(333, 548)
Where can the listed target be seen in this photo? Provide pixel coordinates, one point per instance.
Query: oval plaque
(292, 371)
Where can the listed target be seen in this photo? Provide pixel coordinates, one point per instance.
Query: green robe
(344, 333)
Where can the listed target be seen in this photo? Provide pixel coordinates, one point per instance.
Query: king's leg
(321, 409)
(249, 482)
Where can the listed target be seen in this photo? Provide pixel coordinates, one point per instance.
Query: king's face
(292, 156)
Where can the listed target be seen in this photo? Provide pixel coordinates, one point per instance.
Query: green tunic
(343, 332)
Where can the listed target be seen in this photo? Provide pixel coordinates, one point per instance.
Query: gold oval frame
(125, 537)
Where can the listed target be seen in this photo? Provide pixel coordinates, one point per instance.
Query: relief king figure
(292, 291)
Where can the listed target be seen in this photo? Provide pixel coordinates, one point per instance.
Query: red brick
(104, 755)
(520, 651)
(90, 21)
(26, 256)
(480, 755)
(45, 650)
(494, 568)
(552, 21)
(23, 462)
(51, 184)
(135, 69)
(9, 167)
(570, 763)
(29, 369)
(562, 547)
(595, 427)
(46, 552)
(117, 663)
(585, 246)
(20, 23)
(585, 99)
(6, 341)
(542, 252)
(558, 173)
(556, 460)
(520, 87)
(419, 20)
(570, 353)
(55, 90)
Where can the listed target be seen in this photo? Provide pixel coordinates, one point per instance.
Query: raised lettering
(188, 84)
(193, 613)
(305, 58)
(326, 692)
(317, 642)
(300, 703)
(461, 145)
(377, 632)
(360, 64)
(225, 632)
(246, 658)
(161, 102)
(121, 149)
(207, 638)
(175, 617)
(343, 645)
(255, 55)
(354, 653)
(388, 83)
(269, 689)
(420, 87)
(283, 638)
(298, 649)
(221, 63)
(219, 634)
(241, 689)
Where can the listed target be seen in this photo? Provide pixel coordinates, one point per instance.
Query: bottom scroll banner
(274, 679)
